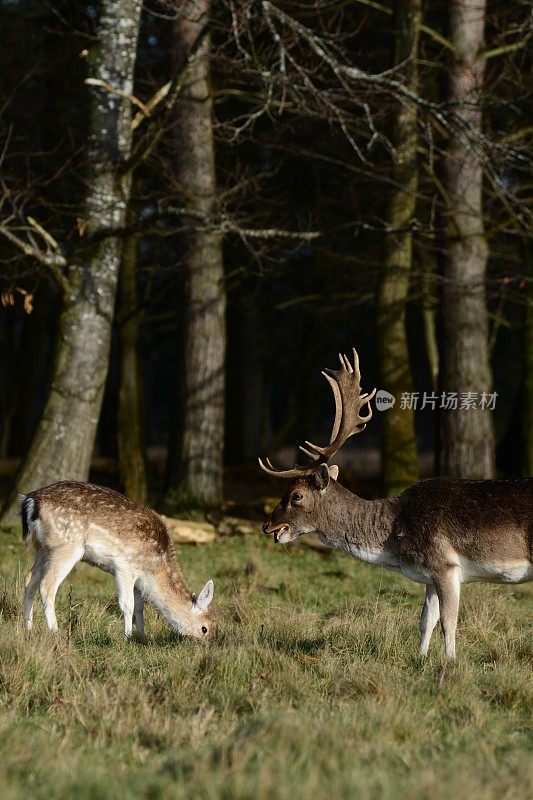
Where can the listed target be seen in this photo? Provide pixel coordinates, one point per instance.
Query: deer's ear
(322, 477)
(205, 597)
(333, 472)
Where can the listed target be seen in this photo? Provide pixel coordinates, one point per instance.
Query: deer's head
(199, 621)
(313, 488)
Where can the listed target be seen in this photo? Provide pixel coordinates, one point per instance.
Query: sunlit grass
(310, 688)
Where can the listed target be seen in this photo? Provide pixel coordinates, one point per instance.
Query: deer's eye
(296, 498)
(204, 629)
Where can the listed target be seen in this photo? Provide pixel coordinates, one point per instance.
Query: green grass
(311, 688)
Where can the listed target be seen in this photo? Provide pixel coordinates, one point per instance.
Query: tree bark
(62, 445)
(528, 384)
(400, 462)
(429, 315)
(467, 434)
(199, 479)
(130, 433)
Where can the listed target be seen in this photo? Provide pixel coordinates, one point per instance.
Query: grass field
(311, 688)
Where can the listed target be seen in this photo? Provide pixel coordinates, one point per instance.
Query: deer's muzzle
(282, 533)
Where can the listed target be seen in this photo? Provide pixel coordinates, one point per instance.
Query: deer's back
(71, 509)
(485, 520)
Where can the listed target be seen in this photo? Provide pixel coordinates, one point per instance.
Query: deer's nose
(264, 527)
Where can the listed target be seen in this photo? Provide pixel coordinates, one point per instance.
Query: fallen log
(186, 531)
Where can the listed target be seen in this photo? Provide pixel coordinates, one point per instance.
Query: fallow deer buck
(69, 522)
(440, 532)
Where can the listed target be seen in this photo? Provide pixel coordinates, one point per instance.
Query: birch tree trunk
(400, 463)
(198, 482)
(62, 445)
(467, 435)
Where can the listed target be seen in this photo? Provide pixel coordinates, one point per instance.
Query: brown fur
(72, 521)
(440, 532)
(486, 520)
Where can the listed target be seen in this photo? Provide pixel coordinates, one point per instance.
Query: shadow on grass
(307, 646)
(9, 607)
(167, 638)
(98, 639)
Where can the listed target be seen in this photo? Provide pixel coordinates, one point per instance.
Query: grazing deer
(69, 522)
(441, 532)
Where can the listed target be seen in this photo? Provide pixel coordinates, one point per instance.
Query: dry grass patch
(311, 687)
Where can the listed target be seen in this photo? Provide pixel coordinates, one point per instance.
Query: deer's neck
(362, 528)
(169, 594)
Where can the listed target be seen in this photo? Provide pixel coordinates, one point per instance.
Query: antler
(346, 385)
(295, 472)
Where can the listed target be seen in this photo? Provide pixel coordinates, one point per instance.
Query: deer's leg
(33, 579)
(125, 583)
(429, 618)
(60, 561)
(448, 586)
(138, 601)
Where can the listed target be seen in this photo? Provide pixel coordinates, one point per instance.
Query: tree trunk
(130, 434)
(429, 314)
(467, 434)
(199, 479)
(528, 385)
(400, 463)
(62, 445)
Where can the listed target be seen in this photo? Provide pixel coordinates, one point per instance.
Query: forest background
(201, 204)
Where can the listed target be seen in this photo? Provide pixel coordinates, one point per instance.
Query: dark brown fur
(440, 532)
(480, 519)
(487, 520)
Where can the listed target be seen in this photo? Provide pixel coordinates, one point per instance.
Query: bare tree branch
(53, 262)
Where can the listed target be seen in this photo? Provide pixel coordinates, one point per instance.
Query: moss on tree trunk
(428, 270)
(400, 463)
(130, 433)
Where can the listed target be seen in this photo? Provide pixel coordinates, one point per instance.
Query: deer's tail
(31, 524)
